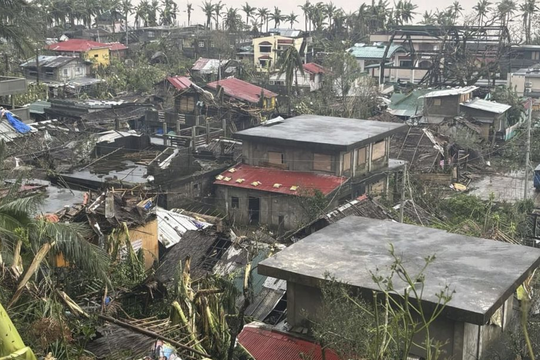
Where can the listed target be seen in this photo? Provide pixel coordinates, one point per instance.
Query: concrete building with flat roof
(483, 273)
(286, 161)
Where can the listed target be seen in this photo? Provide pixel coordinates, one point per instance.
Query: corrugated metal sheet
(179, 82)
(314, 68)
(208, 66)
(278, 181)
(265, 344)
(451, 92)
(242, 90)
(172, 225)
(489, 106)
(50, 61)
(76, 45)
(362, 51)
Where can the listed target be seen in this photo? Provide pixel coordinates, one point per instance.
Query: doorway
(254, 204)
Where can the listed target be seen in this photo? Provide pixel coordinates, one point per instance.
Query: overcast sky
(288, 6)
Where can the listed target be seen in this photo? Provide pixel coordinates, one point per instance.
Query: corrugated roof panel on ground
(241, 90)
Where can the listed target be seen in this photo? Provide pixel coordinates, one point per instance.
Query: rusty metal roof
(278, 181)
(208, 66)
(241, 90)
(314, 68)
(265, 344)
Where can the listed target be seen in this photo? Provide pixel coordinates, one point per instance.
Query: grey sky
(288, 6)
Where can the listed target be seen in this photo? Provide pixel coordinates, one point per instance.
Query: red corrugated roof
(241, 90)
(314, 68)
(116, 46)
(200, 64)
(265, 344)
(285, 41)
(179, 82)
(278, 181)
(76, 45)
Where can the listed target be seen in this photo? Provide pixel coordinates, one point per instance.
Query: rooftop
(241, 90)
(489, 106)
(278, 181)
(50, 61)
(325, 132)
(483, 273)
(451, 92)
(406, 105)
(364, 51)
(82, 45)
(314, 68)
(266, 344)
(208, 66)
(179, 82)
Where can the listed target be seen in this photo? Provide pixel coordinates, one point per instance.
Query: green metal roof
(373, 52)
(403, 104)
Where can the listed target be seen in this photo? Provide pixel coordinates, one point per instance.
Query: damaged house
(287, 162)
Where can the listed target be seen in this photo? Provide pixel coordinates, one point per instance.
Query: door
(254, 210)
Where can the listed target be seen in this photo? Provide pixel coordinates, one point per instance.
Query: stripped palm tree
(189, 9)
(528, 9)
(262, 14)
(292, 18)
(305, 10)
(249, 11)
(218, 7)
(276, 17)
(482, 8)
(208, 8)
(290, 63)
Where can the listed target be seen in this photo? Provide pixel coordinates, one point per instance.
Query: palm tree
(233, 20)
(407, 11)
(317, 16)
(217, 12)
(168, 12)
(276, 17)
(152, 13)
(305, 8)
(189, 9)
(208, 8)
(456, 10)
(505, 10)
(482, 8)
(329, 10)
(291, 19)
(428, 18)
(19, 23)
(263, 14)
(249, 11)
(289, 63)
(141, 13)
(127, 8)
(528, 9)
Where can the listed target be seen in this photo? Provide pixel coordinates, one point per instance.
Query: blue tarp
(17, 125)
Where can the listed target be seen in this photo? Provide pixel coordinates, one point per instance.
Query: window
(97, 55)
(436, 102)
(78, 70)
(65, 72)
(276, 157)
(151, 34)
(322, 162)
(196, 186)
(361, 156)
(201, 44)
(235, 202)
(265, 48)
(264, 63)
(405, 63)
(379, 150)
(347, 161)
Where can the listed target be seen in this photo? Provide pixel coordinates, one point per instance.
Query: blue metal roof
(362, 51)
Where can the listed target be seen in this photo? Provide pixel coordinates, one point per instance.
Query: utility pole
(37, 66)
(403, 182)
(528, 151)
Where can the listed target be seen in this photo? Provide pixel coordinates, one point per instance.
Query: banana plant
(11, 343)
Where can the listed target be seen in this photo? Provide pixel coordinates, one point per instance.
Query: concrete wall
(303, 303)
(274, 53)
(12, 85)
(273, 206)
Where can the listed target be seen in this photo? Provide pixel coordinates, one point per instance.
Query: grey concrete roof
(483, 273)
(325, 132)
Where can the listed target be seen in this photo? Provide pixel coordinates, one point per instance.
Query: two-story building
(369, 59)
(310, 80)
(267, 50)
(97, 53)
(481, 275)
(286, 161)
(55, 68)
